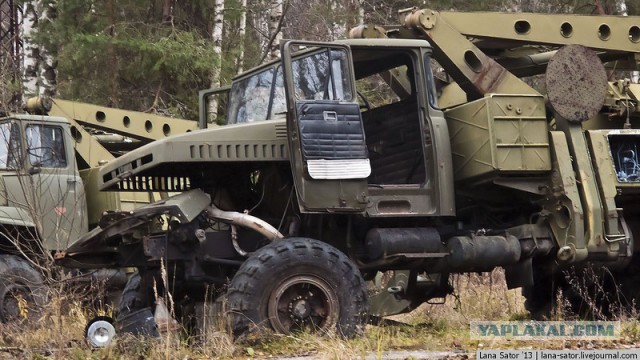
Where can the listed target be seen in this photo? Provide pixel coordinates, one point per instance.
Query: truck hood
(171, 163)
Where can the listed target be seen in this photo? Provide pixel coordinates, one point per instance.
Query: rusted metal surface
(303, 302)
(474, 71)
(154, 248)
(576, 83)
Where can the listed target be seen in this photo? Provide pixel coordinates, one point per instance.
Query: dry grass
(477, 297)
(59, 332)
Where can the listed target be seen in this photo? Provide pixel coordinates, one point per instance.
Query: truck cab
(42, 194)
(365, 132)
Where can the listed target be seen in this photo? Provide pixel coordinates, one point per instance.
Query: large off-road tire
(22, 290)
(134, 296)
(543, 300)
(298, 284)
(135, 310)
(540, 299)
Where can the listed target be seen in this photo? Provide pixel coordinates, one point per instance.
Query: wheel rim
(303, 302)
(15, 302)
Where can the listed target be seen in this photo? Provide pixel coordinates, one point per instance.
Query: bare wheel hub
(303, 302)
(300, 308)
(14, 301)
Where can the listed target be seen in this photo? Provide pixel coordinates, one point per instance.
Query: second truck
(354, 160)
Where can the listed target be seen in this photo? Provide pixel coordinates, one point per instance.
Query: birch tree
(39, 67)
(47, 69)
(338, 25)
(31, 51)
(360, 4)
(216, 34)
(275, 24)
(242, 32)
(621, 7)
(260, 22)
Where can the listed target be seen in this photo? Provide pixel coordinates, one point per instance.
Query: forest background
(155, 55)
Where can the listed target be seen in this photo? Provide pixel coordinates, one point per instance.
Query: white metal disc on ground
(100, 333)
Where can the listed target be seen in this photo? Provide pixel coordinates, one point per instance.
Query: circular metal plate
(576, 83)
(100, 333)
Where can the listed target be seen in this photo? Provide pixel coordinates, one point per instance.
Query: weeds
(59, 331)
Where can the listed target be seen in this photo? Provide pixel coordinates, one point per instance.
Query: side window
(322, 76)
(249, 98)
(10, 149)
(45, 146)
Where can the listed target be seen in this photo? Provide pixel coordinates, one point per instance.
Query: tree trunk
(275, 35)
(216, 35)
(39, 74)
(621, 8)
(167, 11)
(31, 51)
(47, 68)
(338, 26)
(113, 64)
(260, 21)
(242, 31)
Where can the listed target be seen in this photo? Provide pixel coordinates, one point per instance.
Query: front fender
(16, 217)
(101, 245)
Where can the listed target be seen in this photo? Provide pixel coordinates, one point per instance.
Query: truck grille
(155, 183)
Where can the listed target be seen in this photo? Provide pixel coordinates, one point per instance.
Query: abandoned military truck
(346, 160)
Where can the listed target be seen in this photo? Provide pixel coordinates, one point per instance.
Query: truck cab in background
(40, 177)
(42, 203)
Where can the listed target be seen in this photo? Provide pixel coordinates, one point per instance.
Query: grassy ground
(59, 334)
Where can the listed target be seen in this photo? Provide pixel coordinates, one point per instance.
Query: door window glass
(322, 76)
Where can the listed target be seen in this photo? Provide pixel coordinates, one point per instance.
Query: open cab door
(326, 137)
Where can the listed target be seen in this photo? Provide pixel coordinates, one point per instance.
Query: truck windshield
(9, 146)
(46, 146)
(249, 98)
(321, 75)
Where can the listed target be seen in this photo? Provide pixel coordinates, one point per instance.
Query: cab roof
(384, 42)
(39, 118)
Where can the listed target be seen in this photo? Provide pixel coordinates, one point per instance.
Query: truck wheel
(298, 284)
(135, 310)
(540, 299)
(22, 290)
(134, 296)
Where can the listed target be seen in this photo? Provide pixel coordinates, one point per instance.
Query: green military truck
(347, 160)
(48, 199)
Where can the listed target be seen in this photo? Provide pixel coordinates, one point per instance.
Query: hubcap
(303, 302)
(100, 333)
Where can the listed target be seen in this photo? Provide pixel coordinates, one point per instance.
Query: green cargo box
(499, 135)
